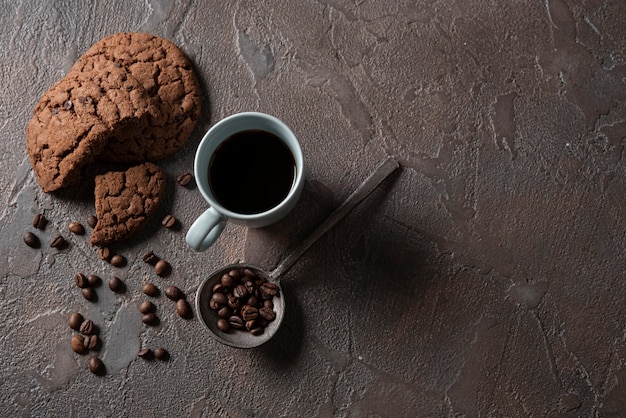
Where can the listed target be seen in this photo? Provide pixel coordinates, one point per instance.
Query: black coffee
(251, 172)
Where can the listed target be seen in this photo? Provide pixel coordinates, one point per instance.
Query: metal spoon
(242, 339)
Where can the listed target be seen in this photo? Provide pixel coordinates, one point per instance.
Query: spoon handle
(380, 174)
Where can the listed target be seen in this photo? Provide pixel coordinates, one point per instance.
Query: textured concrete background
(485, 279)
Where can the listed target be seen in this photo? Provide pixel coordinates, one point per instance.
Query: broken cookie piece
(125, 201)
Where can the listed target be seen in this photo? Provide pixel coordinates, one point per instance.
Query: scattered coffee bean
(169, 221)
(147, 307)
(76, 228)
(244, 300)
(96, 366)
(183, 309)
(150, 289)
(223, 325)
(94, 280)
(184, 179)
(75, 320)
(31, 240)
(87, 327)
(91, 342)
(89, 294)
(92, 221)
(118, 260)
(78, 344)
(39, 221)
(81, 280)
(116, 285)
(58, 242)
(150, 319)
(150, 258)
(174, 293)
(161, 353)
(162, 268)
(145, 353)
(104, 253)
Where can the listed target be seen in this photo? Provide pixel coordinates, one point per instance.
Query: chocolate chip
(87, 327)
(169, 221)
(89, 294)
(76, 228)
(184, 179)
(116, 285)
(75, 320)
(118, 260)
(68, 105)
(92, 221)
(58, 242)
(39, 221)
(161, 353)
(150, 289)
(147, 307)
(78, 344)
(31, 240)
(162, 268)
(96, 366)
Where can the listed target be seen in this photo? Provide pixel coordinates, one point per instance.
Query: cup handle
(205, 230)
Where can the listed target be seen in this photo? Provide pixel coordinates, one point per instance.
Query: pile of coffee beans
(243, 300)
(86, 340)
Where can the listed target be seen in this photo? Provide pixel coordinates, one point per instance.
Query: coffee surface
(251, 172)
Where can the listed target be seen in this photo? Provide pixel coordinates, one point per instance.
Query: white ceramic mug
(208, 227)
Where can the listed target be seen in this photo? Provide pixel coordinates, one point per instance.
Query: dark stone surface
(485, 279)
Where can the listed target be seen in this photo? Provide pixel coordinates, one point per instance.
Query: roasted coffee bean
(257, 331)
(150, 319)
(78, 344)
(251, 274)
(39, 221)
(87, 327)
(75, 320)
(89, 294)
(250, 286)
(96, 366)
(174, 293)
(146, 307)
(150, 258)
(183, 309)
(92, 221)
(94, 280)
(116, 285)
(234, 302)
(249, 312)
(162, 268)
(268, 290)
(184, 179)
(220, 288)
(58, 242)
(81, 280)
(240, 291)
(145, 353)
(219, 299)
(250, 325)
(236, 322)
(31, 240)
(76, 228)
(223, 325)
(224, 312)
(235, 274)
(161, 353)
(228, 280)
(253, 301)
(169, 221)
(104, 253)
(150, 289)
(268, 303)
(262, 322)
(118, 260)
(90, 342)
(213, 304)
(267, 313)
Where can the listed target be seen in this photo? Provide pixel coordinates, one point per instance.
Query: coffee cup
(249, 168)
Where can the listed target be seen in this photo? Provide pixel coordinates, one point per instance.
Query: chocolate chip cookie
(167, 75)
(125, 201)
(73, 120)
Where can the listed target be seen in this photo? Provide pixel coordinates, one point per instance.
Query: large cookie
(125, 200)
(166, 74)
(74, 119)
